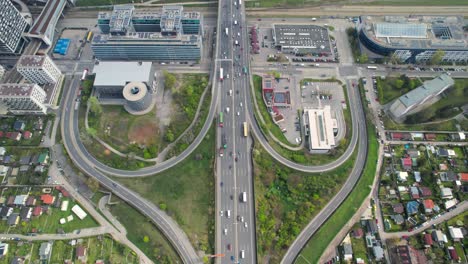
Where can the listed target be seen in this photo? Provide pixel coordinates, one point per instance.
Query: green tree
(437, 57)
(169, 80)
(94, 105)
(146, 239)
(399, 83)
(169, 135)
(363, 58)
(91, 131)
(162, 206)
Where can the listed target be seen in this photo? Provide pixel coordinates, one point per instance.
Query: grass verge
(155, 246)
(186, 192)
(320, 240)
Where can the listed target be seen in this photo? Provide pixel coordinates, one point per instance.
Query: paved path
(103, 208)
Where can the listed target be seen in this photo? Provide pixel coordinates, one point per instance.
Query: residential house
(455, 233)
(417, 176)
(347, 252)
(39, 169)
(27, 135)
(14, 172)
(25, 213)
(407, 163)
(13, 219)
(31, 201)
(398, 208)
(453, 254)
(402, 176)
(20, 200)
(450, 203)
(14, 136)
(443, 167)
(11, 200)
(463, 176)
(430, 136)
(417, 136)
(413, 153)
(391, 194)
(446, 193)
(412, 207)
(402, 189)
(448, 176)
(24, 168)
(3, 249)
(414, 162)
(45, 250)
(398, 219)
(19, 125)
(47, 199)
(438, 236)
(17, 260)
(378, 253)
(358, 233)
(414, 192)
(371, 226)
(34, 159)
(2, 151)
(6, 212)
(442, 152)
(428, 240)
(460, 136)
(428, 206)
(425, 191)
(99, 261)
(7, 159)
(24, 160)
(81, 253)
(43, 158)
(396, 136)
(4, 170)
(37, 211)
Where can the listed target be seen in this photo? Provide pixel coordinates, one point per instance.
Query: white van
(227, 109)
(228, 213)
(235, 22)
(244, 197)
(230, 92)
(242, 254)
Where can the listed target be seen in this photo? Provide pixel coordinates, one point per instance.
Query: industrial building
(319, 128)
(38, 69)
(302, 40)
(420, 98)
(415, 38)
(21, 99)
(128, 34)
(125, 83)
(12, 27)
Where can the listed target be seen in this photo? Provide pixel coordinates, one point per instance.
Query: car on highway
(228, 247)
(245, 224)
(240, 104)
(221, 213)
(238, 113)
(225, 231)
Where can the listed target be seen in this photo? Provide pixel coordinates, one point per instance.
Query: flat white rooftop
(118, 73)
(320, 122)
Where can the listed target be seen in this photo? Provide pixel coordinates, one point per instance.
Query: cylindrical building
(137, 96)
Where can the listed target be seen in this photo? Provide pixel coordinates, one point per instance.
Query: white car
(238, 113)
(221, 213)
(238, 34)
(245, 224)
(242, 219)
(225, 231)
(240, 104)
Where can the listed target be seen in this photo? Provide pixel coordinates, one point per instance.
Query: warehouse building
(302, 40)
(319, 128)
(414, 39)
(420, 98)
(128, 34)
(130, 84)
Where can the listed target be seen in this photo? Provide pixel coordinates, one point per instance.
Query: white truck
(244, 197)
(240, 2)
(227, 31)
(221, 74)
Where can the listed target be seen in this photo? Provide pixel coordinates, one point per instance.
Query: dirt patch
(144, 133)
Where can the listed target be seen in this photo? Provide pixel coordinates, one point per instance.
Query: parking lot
(77, 38)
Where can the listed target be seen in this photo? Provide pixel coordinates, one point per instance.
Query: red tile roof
(464, 176)
(397, 135)
(453, 254)
(428, 239)
(428, 204)
(27, 134)
(37, 211)
(47, 199)
(406, 162)
(429, 136)
(398, 208)
(425, 191)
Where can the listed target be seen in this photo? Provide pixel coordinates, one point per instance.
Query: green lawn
(449, 125)
(188, 192)
(390, 88)
(102, 247)
(418, 2)
(6, 125)
(359, 246)
(157, 248)
(320, 240)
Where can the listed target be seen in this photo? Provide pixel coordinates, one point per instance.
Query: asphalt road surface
(236, 216)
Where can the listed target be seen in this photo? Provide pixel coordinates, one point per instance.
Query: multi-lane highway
(235, 225)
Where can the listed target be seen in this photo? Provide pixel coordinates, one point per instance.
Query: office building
(12, 27)
(319, 128)
(420, 98)
(22, 99)
(302, 40)
(415, 38)
(128, 34)
(38, 69)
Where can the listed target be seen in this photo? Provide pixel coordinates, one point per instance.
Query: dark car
(229, 248)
